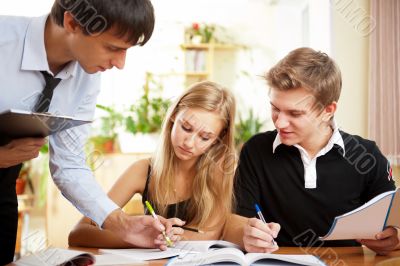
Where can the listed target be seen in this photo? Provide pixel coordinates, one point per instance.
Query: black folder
(21, 124)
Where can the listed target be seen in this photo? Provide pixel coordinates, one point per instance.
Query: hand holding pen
(261, 216)
(151, 210)
(173, 227)
(258, 236)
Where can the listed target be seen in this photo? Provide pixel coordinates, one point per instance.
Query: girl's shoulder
(140, 167)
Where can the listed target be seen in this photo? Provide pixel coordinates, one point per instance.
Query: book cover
(367, 220)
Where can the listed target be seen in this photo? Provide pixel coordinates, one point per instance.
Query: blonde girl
(190, 176)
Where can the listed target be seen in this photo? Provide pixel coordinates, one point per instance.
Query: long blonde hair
(212, 188)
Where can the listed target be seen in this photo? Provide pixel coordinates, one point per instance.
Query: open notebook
(195, 253)
(233, 255)
(367, 220)
(61, 257)
(180, 249)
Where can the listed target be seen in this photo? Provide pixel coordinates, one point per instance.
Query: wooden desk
(343, 256)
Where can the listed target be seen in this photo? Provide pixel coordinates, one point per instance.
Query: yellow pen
(167, 239)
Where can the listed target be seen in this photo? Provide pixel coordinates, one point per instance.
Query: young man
(78, 39)
(307, 171)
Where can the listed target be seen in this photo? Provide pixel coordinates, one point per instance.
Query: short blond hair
(310, 69)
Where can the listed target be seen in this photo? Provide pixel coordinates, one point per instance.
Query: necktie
(45, 98)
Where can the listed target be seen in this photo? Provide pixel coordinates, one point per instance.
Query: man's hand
(386, 241)
(142, 231)
(20, 150)
(258, 236)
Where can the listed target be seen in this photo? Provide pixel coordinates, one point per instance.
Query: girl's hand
(174, 233)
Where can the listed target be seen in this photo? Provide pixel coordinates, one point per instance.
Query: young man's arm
(76, 181)
(250, 233)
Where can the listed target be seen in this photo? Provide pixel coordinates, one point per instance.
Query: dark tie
(43, 103)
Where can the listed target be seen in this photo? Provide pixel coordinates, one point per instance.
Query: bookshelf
(199, 60)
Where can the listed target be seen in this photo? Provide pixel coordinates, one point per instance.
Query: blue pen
(261, 216)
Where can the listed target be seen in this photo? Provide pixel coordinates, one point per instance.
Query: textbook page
(233, 255)
(362, 223)
(112, 259)
(143, 253)
(180, 249)
(204, 245)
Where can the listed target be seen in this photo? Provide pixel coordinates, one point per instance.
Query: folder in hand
(369, 219)
(21, 124)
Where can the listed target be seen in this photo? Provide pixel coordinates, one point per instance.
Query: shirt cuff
(101, 210)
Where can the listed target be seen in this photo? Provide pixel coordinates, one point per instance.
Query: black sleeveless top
(177, 210)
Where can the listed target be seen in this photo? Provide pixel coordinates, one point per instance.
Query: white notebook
(180, 249)
(233, 255)
(367, 220)
(58, 257)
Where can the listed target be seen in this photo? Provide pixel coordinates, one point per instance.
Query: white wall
(350, 49)
(269, 29)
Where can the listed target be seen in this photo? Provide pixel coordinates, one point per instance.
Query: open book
(60, 257)
(19, 124)
(367, 220)
(233, 255)
(205, 252)
(180, 249)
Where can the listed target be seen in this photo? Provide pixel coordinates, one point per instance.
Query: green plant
(246, 128)
(206, 31)
(147, 115)
(109, 122)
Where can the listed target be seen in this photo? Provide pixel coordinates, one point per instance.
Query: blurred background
(233, 42)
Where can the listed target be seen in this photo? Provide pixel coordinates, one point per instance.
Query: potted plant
(24, 178)
(246, 128)
(144, 120)
(200, 33)
(105, 140)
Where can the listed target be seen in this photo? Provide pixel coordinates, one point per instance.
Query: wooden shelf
(206, 46)
(199, 59)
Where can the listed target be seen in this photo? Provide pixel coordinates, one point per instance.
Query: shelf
(206, 46)
(200, 59)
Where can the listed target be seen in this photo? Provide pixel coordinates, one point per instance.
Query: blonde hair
(307, 68)
(212, 188)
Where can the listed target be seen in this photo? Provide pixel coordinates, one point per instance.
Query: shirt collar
(336, 138)
(34, 56)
